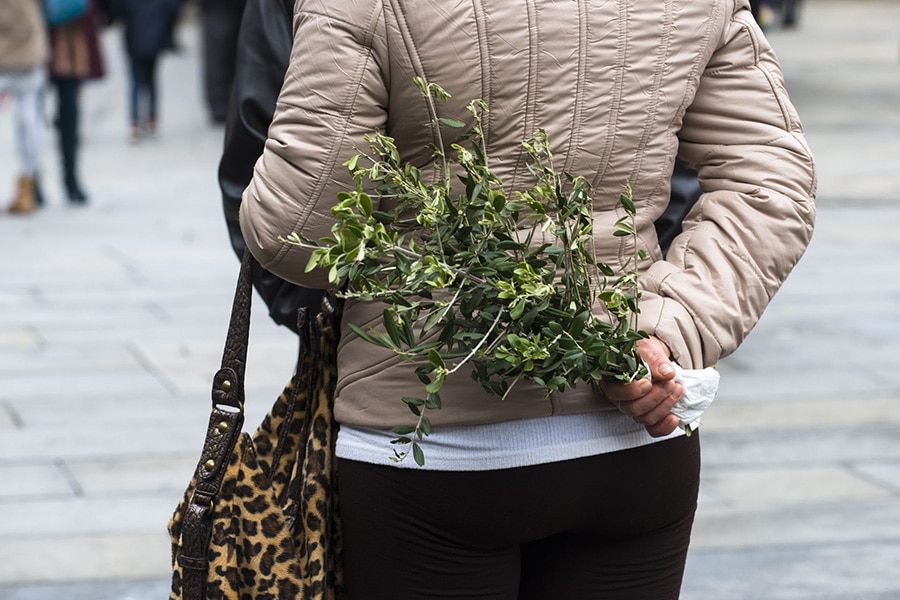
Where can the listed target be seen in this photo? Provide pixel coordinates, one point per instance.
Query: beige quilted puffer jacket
(620, 86)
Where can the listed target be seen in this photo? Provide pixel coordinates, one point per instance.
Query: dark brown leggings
(613, 526)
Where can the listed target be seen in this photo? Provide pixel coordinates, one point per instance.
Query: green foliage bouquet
(462, 280)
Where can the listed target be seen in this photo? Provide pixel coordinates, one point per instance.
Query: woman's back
(619, 86)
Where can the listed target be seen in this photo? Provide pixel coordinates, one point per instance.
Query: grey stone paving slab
(33, 480)
(32, 360)
(883, 473)
(811, 523)
(71, 316)
(8, 419)
(161, 475)
(173, 427)
(18, 339)
(137, 410)
(806, 446)
(119, 590)
(104, 514)
(122, 382)
(777, 414)
(763, 487)
(135, 333)
(855, 571)
(123, 439)
(127, 293)
(748, 381)
(90, 557)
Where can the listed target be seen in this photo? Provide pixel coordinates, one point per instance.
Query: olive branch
(465, 283)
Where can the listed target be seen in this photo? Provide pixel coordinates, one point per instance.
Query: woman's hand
(649, 401)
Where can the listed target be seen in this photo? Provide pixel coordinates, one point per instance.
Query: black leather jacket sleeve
(263, 50)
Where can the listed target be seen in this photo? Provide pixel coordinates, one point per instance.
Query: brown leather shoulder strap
(223, 431)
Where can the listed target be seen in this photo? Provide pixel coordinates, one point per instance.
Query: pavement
(112, 320)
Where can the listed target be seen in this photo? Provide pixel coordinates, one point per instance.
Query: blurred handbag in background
(259, 518)
(60, 12)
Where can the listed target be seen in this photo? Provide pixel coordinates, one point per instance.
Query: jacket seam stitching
(346, 111)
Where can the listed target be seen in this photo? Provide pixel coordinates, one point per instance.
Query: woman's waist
(373, 396)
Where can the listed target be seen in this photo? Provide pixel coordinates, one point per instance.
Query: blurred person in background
(790, 10)
(775, 13)
(149, 27)
(220, 22)
(76, 57)
(23, 58)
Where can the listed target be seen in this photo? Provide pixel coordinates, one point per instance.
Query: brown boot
(25, 201)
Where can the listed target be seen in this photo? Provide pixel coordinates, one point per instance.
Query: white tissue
(700, 388)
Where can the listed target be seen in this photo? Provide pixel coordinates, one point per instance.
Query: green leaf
(365, 205)
(555, 328)
(382, 217)
(414, 409)
(402, 263)
(557, 383)
(435, 359)
(435, 385)
(517, 309)
(312, 263)
(578, 323)
(418, 455)
(606, 269)
(432, 320)
(510, 245)
(623, 229)
(351, 164)
(390, 326)
(433, 402)
(406, 332)
(403, 429)
(365, 335)
(452, 123)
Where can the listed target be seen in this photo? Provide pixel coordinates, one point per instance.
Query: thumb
(657, 356)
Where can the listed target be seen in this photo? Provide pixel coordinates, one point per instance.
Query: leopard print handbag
(259, 519)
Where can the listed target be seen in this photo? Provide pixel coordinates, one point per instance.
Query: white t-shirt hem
(505, 445)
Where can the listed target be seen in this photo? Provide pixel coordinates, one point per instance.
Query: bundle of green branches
(464, 284)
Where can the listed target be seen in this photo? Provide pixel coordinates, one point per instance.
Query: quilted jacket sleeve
(333, 95)
(755, 217)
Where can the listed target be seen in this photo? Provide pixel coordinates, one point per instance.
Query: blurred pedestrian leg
(143, 99)
(149, 27)
(75, 58)
(68, 116)
(221, 20)
(23, 53)
(26, 87)
(789, 14)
